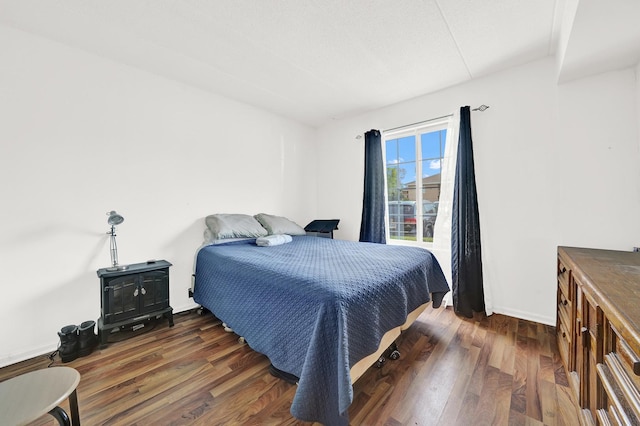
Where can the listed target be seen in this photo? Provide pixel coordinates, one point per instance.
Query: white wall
(638, 110)
(597, 162)
(80, 136)
(541, 150)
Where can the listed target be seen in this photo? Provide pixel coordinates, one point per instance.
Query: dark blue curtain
(466, 256)
(372, 225)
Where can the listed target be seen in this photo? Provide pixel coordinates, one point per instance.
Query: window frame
(443, 123)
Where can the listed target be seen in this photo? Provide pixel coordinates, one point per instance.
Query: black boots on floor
(68, 349)
(77, 341)
(87, 338)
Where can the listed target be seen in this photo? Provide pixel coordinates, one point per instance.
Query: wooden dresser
(598, 331)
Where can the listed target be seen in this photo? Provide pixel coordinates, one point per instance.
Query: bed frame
(387, 340)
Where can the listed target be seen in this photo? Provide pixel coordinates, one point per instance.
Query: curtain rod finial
(481, 108)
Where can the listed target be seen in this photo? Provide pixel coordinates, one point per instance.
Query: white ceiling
(310, 60)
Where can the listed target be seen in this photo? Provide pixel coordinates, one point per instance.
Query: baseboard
(525, 315)
(186, 307)
(47, 349)
(14, 359)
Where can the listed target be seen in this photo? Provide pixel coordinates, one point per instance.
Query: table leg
(61, 416)
(73, 405)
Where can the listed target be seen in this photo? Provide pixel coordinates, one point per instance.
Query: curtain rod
(418, 122)
(481, 108)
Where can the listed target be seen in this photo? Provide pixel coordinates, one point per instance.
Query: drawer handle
(562, 270)
(564, 334)
(565, 302)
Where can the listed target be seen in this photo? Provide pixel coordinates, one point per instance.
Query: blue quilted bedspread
(316, 306)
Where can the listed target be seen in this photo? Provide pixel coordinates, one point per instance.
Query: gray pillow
(234, 226)
(209, 239)
(279, 225)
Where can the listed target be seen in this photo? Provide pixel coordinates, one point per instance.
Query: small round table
(31, 395)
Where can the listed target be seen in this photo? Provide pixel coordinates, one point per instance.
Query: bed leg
(394, 352)
(202, 310)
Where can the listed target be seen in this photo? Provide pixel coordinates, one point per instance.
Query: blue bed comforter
(316, 306)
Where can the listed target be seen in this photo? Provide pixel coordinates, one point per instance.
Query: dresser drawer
(563, 279)
(629, 361)
(622, 400)
(564, 308)
(564, 343)
(564, 323)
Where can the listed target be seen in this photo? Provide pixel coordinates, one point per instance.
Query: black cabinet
(133, 296)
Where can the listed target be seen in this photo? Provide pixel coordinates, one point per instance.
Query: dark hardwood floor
(452, 371)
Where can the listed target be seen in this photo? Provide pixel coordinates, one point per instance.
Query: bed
(319, 309)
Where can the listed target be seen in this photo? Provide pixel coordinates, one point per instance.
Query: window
(413, 159)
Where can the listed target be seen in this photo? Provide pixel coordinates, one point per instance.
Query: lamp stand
(114, 252)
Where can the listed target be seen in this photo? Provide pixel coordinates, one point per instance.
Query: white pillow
(234, 226)
(279, 225)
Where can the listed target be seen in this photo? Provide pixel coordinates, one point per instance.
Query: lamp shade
(114, 218)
